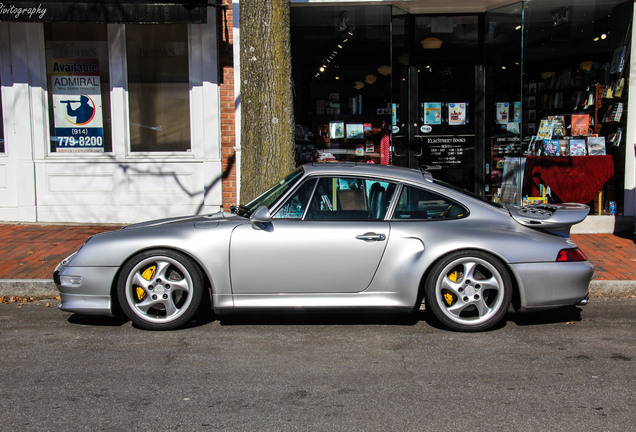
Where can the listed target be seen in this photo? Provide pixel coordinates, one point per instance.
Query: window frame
(193, 69)
(49, 121)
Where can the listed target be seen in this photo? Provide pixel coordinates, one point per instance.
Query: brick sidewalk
(32, 251)
(613, 256)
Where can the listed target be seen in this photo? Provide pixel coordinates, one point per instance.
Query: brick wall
(228, 130)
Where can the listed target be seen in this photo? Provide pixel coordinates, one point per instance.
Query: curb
(46, 288)
(42, 288)
(612, 288)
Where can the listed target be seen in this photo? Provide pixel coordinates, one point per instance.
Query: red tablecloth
(571, 178)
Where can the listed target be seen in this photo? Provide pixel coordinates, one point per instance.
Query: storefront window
(158, 87)
(504, 163)
(342, 83)
(575, 101)
(78, 88)
(523, 103)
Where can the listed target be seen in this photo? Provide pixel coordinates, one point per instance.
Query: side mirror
(260, 218)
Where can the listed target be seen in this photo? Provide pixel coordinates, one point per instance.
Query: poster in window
(432, 113)
(77, 105)
(503, 110)
(517, 112)
(457, 113)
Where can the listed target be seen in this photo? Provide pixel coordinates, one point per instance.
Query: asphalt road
(571, 370)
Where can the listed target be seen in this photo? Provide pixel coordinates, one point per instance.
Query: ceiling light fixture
(431, 43)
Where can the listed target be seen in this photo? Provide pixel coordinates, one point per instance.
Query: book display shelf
(576, 120)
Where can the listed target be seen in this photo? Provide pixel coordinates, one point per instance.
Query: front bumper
(553, 284)
(92, 296)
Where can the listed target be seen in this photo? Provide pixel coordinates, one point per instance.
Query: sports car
(337, 236)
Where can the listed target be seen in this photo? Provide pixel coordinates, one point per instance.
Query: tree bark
(267, 115)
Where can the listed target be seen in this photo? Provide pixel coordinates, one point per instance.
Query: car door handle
(371, 237)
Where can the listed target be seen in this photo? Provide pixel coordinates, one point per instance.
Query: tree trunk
(267, 115)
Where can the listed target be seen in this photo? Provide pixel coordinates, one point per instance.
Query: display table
(571, 178)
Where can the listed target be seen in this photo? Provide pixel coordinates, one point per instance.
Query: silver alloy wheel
(162, 297)
(468, 290)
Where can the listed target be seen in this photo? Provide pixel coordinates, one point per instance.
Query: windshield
(270, 196)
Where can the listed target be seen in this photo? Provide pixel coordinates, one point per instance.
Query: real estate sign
(77, 105)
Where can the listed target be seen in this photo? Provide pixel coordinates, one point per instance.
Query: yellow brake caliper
(147, 274)
(449, 298)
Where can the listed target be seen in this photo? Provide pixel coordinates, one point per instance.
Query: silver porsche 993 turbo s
(337, 237)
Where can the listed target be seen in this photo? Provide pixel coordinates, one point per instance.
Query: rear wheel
(160, 289)
(468, 291)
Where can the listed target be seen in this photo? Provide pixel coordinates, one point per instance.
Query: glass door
(437, 62)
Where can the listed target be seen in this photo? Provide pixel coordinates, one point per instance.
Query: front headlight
(70, 281)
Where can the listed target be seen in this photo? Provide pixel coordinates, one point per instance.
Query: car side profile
(339, 236)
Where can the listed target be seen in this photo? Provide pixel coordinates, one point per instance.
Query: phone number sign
(77, 105)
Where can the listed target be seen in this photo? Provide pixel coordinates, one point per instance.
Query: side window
(295, 206)
(417, 203)
(348, 198)
(158, 87)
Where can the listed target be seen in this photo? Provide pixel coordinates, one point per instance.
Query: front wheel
(468, 291)
(160, 289)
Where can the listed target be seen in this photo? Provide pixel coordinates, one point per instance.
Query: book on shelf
(614, 112)
(336, 130)
(596, 146)
(360, 150)
(355, 130)
(620, 86)
(580, 124)
(618, 60)
(369, 146)
(557, 123)
(551, 147)
(578, 147)
(564, 147)
(545, 130)
(513, 127)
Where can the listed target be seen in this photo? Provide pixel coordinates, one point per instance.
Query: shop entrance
(439, 90)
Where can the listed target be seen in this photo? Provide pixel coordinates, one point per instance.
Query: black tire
(160, 289)
(468, 291)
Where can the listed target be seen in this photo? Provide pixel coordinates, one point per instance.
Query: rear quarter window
(420, 204)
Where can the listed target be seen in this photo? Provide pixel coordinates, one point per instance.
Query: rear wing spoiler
(557, 218)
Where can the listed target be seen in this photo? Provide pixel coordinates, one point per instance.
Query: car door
(329, 237)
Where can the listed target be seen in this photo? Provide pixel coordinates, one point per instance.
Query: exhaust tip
(584, 301)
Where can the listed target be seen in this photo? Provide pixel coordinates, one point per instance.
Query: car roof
(363, 169)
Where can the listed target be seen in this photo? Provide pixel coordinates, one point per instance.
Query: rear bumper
(553, 284)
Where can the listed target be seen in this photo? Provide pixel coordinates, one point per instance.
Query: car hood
(210, 218)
